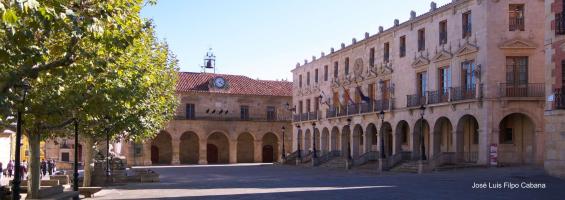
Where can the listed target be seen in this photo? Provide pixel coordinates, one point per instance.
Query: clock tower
(209, 61)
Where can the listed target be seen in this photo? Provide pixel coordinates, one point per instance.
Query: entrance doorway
(154, 154)
(212, 153)
(268, 152)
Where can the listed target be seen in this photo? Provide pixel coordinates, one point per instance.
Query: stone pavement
(289, 182)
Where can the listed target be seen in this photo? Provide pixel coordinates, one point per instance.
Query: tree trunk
(87, 178)
(34, 168)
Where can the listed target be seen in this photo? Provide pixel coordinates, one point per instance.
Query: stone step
(409, 167)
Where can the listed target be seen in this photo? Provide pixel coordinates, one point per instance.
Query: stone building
(554, 84)
(462, 83)
(221, 119)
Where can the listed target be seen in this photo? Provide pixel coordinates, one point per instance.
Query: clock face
(220, 82)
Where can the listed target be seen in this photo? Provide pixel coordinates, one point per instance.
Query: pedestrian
(23, 170)
(54, 166)
(10, 169)
(1, 172)
(50, 167)
(43, 167)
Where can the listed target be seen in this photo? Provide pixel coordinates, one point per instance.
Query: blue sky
(265, 39)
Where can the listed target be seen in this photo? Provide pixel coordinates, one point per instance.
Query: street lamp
(108, 172)
(382, 117)
(422, 145)
(75, 170)
(314, 139)
(298, 143)
(18, 177)
(348, 140)
(283, 150)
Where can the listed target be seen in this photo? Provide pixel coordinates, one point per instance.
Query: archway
(357, 141)
(307, 141)
(270, 148)
(386, 130)
(416, 137)
(442, 136)
(161, 149)
(467, 139)
(316, 140)
(335, 139)
(217, 147)
(346, 142)
(325, 146)
(245, 150)
(402, 137)
(371, 138)
(299, 141)
(516, 140)
(189, 151)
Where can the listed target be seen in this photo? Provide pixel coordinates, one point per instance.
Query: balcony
(276, 118)
(559, 102)
(415, 100)
(560, 23)
(309, 116)
(438, 96)
(521, 90)
(463, 93)
(516, 24)
(361, 108)
(443, 37)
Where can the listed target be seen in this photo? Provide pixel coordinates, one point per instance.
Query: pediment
(420, 61)
(467, 48)
(442, 55)
(517, 44)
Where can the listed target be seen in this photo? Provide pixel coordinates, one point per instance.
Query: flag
(348, 96)
(324, 99)
(363, 97)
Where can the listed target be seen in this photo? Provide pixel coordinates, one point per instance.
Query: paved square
(289, 182)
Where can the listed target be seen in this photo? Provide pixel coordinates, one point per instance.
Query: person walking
(43, 167)
(23, 170)
(10, 169)
(1, 173)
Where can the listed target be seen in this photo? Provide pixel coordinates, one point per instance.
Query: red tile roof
(236, 84)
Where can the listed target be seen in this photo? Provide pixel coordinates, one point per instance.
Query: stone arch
(442, 138)
(345, 143)
(335, 139)
(517, 142)
(402, 137)
(162, 149)
(325, 144)
(245, 148)
(189, 148)
(270, 148)
(416, 139)
(357, 141)
(386, 130)
(467, 139)
(308, 140)
(217, 148)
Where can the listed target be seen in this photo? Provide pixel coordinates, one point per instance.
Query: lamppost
(348, 140)
(17, 178)
(283, 150)
(314, 139)
(382, 117)
(108, 172)
(422, 145)
(75, 170)
(298, 143)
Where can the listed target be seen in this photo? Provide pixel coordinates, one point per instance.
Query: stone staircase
(335, 163)
(406, 167)
(369, 165)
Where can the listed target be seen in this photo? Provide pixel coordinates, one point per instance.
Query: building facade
(555, 82)
(462, 82)
(221, 119)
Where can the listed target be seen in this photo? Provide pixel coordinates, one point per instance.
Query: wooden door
(268, 154)
(154, 155)
(212, 153)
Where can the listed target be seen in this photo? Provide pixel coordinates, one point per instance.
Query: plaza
(266, 181)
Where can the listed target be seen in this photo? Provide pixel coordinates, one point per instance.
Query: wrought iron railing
(360, 108)
(560, 23)
(516, 24)
(316, 115)
(443, 37)
(559, 101)
(438, 96)
(414, 100)
(463, 93)
(467, 157)
(237, 118)
(393, 161)
(521, 90)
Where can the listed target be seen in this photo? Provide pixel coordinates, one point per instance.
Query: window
(307, 78)
(316, 76)
(300, 107)
(506, 136)
(372, 57)
(386, 90)
(308, 105)
(516, 17)
(357, 94)
(517, 70)
(443, 32)
(422, 83)
(271, 113)
(467, 25)
(335, 99)
(316, 104)
(444, 79)
(421, 39)
(402, 46)
(137, 149)
(467, 75)
(336, 68)
(325, 73)
(347, 66)
(386, 52)
(65, 157)
(190, 111)
(371, 92)
(244, 112)
(300, 80)
(563, 74)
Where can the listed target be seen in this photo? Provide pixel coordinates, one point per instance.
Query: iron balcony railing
(414, 100)
(238, 118)
(521, 90)
(516, 24)
(463, 93)
(309, 116)
(443, 37)
(559, 100)
(560, 23)
(360, 108)
(439, 96)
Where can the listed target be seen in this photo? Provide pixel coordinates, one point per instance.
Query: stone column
(434, 141)
(458, 144)
(175, 143)
(203, 157)
(233, 151)
(258, 151)
(147, 153)
(484, 144)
